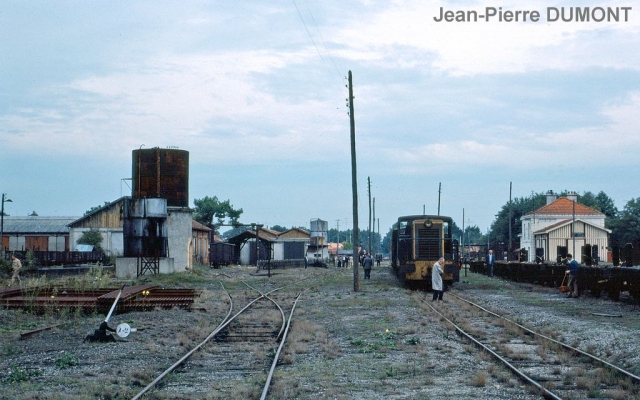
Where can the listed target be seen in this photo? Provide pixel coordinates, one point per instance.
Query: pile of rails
(133, 298)
(597, 279)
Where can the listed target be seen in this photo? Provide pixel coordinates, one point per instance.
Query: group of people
(343, 262)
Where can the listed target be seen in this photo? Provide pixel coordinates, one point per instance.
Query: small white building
(563, 226)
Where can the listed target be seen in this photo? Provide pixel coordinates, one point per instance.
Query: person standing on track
(436, 279)
(573, 276)
(490, 262)
(367, 263)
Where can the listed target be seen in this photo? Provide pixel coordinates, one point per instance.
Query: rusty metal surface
(134, 298)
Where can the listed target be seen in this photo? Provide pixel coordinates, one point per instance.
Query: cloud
(471, 48)
(213, 101)
(615, 142)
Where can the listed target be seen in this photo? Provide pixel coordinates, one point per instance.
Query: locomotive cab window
(403, 228)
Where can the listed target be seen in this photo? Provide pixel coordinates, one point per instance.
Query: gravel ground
(379, 342)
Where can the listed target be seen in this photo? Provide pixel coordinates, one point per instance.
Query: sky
(256, 92)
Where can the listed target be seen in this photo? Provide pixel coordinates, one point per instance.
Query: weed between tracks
(379, 343)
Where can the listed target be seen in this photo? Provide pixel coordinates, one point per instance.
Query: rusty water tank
(161, 173)
(145, 227)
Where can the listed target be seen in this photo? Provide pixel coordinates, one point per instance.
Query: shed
(247, 254)
(108, 220)
(36, 233)
(202, 237)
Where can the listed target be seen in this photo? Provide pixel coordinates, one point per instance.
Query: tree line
(624, 224)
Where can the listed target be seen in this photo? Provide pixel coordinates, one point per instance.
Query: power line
(305, 27)
(314, 42)
(324, 43)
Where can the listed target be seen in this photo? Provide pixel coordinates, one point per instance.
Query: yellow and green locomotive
(417, 242)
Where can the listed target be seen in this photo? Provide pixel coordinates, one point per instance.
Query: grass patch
(20, 374)
(66, 360)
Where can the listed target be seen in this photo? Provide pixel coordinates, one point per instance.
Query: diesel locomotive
(417, 242)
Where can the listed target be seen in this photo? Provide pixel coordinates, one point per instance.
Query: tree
(456, 232)
(519, 207)
(210, 207)
(92, 237)
(235, 231)
(606, 205)
(627, 227)
(96, 208)
(278, 228)
(472, 235)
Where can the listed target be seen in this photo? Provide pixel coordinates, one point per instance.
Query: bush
(5, 268)
(92, 237)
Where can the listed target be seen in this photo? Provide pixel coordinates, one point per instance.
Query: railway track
(552, 368)
(244, 346)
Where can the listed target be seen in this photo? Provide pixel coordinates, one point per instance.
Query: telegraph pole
(439, 191)
(379, 237)
(338, 239)
(369, 193)
(354, 188)
(509, 247)
(463, 233)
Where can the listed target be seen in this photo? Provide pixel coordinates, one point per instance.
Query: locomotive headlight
(428, 223)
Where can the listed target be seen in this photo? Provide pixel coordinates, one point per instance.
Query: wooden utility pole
(369, 227)
(373, 227)
(439, 191)
(462, 233)
(509, 247)
(379, 238)
(354, 189)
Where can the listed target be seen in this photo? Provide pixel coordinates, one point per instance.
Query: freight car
(221, 254)
(595, 279)
(417, 242)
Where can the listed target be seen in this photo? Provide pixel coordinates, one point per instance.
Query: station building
(564, 226)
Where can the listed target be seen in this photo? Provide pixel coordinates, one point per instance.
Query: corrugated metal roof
(24, 225)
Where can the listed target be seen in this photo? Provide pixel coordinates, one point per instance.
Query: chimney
(550, 197)
(573, 196)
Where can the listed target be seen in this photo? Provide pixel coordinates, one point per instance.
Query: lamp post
(4, 200)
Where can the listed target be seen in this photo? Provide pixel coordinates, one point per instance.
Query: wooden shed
(36, 233)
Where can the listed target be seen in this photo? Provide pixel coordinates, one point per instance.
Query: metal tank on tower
(157, 226)
(318, 249)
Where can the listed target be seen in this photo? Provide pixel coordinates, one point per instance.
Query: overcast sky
(256, 92)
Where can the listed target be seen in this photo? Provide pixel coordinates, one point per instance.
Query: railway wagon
(596, 279)
(417, 242)
(221, 254)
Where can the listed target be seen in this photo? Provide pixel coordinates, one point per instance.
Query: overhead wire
(324, 43)
(314, 42)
